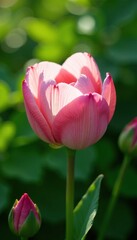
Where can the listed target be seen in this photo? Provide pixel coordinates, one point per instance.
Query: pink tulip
(67, 104)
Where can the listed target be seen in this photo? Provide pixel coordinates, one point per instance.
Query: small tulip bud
(128, 138)
(24, 218)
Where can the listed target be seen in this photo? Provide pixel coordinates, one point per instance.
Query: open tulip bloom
(68, 104)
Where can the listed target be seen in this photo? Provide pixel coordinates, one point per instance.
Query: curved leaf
(86, 210)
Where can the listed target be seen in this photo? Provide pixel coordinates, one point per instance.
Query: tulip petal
(52, 98)
(77, 64)
(84, 85)
(35, 117)
(42, 71)
(109, 93)
(32, 79)
(22, 210)
(49, 70)
(82, 122)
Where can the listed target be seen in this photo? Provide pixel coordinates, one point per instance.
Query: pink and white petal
(42, 71)
(82, 122)
(48, 70)
(84, 85)
(32, 79)
(109, 93)
(81, 63)
(52, 98)
(35, 117)
(45, 100)
(102, 113)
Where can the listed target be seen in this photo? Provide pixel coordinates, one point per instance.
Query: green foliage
(33, 31)
(4, 193)
(24, 167)
(4, 90)
(86, 209)
(124, 51)
(82, 170)
(122, 221)
(129, 188)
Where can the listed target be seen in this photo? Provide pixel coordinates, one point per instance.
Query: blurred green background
(32, 31)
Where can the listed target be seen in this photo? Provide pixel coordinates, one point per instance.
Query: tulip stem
(114, 197)
(70, 194)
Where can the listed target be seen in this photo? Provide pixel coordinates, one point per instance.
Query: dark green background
(36, 30)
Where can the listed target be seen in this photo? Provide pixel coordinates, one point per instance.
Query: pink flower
(68, 105)
(24, 218)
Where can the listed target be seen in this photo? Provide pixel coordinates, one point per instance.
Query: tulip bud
(24, 218)
(128, 138)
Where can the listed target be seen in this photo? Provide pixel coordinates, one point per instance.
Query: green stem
(114, 197)
(70, 195)
(23, 238)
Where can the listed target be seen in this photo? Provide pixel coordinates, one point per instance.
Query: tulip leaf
(86, 210)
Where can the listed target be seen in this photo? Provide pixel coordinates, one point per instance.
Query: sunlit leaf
(51, 9)
(4, 95)
(5, 23)
(40, 30)
(50, 52)
(86, 210)
(7, 132)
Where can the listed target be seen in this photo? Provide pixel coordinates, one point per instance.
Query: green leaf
(7, 132)
(24, 133)
(51, 52)
(86, 210)
(24, 163)
(40, 30)
(4, 95)
(5, 23)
